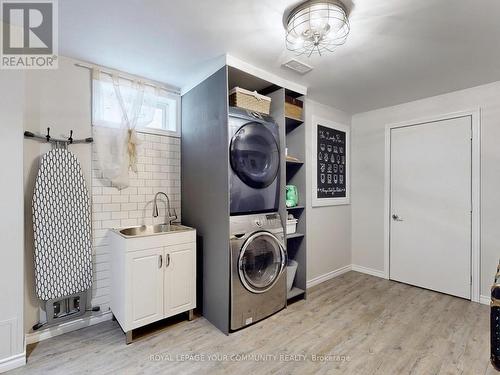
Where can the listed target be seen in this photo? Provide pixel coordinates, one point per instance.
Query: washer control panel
(251, 223)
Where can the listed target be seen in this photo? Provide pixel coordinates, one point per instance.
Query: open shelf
(293, 94)
(295, 292)
(296, 208)
(294, 235)
(292, 123)
(293, 138)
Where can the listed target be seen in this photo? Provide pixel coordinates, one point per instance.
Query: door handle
(396, 218)
(167, 263)
(160, 261)
(284, 259)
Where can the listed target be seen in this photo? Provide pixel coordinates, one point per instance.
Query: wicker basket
(293, 108)
(250, 100)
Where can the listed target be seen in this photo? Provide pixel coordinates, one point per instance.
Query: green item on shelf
(292, 196)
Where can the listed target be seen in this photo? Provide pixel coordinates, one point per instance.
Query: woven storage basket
(293, 107)
(250, 100)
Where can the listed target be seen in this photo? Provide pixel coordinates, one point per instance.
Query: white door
(145, 282)
(180, 276)
(430, 231)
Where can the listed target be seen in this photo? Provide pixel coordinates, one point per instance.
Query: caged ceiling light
(317, 26)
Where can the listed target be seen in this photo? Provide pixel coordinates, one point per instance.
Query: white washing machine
(258, 268)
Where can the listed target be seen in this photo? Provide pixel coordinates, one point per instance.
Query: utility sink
(149, 230)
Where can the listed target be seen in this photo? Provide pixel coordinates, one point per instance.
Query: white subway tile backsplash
(128, 206)
(129, 222)
(128, 191)
(110, 224)
(137, 198)
(119, 215)
(120, 198)
(99, 233)
(107, 191)
(108, 207)
(102, 266)
(101, 198)
(143, 191)
(99, 216)
(158, 169)
(136, 183)
(135, 214)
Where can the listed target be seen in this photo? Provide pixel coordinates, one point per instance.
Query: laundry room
(278, 187)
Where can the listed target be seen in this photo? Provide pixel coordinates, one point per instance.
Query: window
(159, 111)
(165, 116)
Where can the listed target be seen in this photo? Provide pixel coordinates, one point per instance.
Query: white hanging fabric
(119, 106)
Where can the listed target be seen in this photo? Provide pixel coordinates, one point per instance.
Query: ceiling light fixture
(317, 26)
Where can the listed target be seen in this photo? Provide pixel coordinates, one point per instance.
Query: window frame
(166, 132)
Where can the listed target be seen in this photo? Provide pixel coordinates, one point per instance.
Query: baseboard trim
(368, 271)
(327, 276)
(484, 300)
(13, 362)
(73, 325)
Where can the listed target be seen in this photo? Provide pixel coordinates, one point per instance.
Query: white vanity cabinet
(153, 276)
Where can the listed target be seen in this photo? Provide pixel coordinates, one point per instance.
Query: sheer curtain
(119, 106)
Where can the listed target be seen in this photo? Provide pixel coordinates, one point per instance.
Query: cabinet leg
(190, 314)
(128, 337)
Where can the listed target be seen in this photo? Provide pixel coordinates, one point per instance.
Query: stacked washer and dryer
(232, 168)
(258, 254)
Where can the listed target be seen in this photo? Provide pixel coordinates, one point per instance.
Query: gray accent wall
(204, 194)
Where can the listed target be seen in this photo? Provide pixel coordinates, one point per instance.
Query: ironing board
(62, 227)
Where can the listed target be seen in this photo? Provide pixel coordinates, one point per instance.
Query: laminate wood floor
(360, 325)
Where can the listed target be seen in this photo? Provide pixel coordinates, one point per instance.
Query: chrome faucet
(169, 217)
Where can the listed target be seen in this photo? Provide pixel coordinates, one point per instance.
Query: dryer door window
(254, 155)
(262, 260)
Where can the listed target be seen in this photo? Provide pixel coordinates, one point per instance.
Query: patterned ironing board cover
(62, 227)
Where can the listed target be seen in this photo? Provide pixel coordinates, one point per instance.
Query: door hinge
(470, 279)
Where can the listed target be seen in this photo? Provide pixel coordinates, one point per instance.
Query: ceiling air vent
(297, 66)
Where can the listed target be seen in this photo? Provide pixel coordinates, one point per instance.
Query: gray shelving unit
(292, 135)
(205, 190)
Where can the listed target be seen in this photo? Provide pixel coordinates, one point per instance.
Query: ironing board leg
(128, 337)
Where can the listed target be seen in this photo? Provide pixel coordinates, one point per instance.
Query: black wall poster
(331, 164)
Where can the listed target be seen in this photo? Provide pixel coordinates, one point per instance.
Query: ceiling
(398, 50)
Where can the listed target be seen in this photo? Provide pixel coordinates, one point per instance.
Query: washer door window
(262, 260)
(254, 155)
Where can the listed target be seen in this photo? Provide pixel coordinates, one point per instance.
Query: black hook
(48, 135)
(70, 139)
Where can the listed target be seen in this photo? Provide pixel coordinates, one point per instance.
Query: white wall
(11, 219)
(368, 132)
(60, 99)
(328, 228)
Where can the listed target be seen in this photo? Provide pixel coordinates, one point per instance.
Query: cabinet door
(180, 278)
(145, 285)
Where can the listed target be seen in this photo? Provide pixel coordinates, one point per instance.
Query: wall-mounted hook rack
(64, 142)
